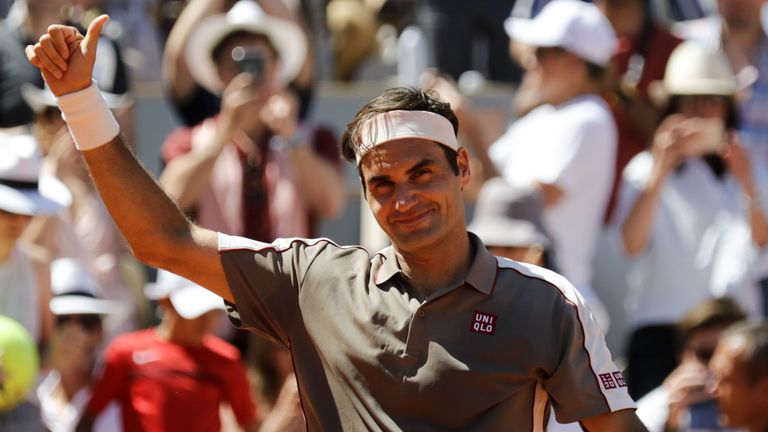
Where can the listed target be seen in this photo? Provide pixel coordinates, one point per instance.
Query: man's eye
(381, 185)
(421, 173)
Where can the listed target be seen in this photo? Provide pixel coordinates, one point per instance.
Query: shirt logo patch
(619, 379)
(483, 323)
(608, 381)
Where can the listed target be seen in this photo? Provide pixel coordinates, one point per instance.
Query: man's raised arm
(158, 233)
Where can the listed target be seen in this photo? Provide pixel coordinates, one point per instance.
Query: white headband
(392, 125)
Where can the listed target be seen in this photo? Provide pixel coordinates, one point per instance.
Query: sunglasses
(90, 322)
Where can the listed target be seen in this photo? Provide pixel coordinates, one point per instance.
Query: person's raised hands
(65, 57)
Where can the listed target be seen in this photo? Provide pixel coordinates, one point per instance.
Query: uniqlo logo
(619, 379)
(607, 380)
(483, 323)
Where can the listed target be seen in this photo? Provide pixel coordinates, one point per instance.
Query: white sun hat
(75, 291)
(188, 298)
(509, 216)
(246, 15)
(576, 26)
(23, 190)
(696, 69)
(39, 99)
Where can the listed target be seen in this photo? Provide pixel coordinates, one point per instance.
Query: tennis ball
(19, 363)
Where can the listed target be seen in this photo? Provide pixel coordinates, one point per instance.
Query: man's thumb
(92, 35)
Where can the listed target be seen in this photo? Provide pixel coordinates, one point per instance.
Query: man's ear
(462, 159)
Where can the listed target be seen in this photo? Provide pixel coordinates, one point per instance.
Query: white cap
(23, 190)
(188, 298)
(576, 26)
(74, 290)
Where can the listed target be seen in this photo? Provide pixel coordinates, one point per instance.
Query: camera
(249, 60)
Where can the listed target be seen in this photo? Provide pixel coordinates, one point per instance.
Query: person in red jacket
(176, 376)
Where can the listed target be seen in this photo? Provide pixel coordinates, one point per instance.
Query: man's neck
(174, 331)
(746, 38)
(573, 92)
(6, 249)
(73, 382)
(439, 266)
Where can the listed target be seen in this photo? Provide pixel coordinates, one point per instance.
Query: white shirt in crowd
(572, 145)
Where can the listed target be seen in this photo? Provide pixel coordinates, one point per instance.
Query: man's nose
(404, 198)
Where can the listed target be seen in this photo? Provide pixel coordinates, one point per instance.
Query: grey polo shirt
(488, 355)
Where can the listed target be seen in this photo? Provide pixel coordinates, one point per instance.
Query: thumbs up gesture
(65, 57)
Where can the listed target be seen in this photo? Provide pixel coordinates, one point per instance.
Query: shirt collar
(481, 275)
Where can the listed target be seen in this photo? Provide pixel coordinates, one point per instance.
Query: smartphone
(704, 416)
(249, 60)
(709, 137)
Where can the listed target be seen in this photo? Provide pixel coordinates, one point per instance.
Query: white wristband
(88, 117)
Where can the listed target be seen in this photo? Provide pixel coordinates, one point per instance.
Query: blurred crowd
(638, 131)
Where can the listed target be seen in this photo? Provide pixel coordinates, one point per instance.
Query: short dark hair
(398, 98)
(712, 313)
(755, 355)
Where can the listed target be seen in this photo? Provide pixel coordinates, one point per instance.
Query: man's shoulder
(547, 284)
(221, 348)
(228, 243)
(130, 341)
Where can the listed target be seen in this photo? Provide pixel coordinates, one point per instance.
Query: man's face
(556, 70)
(737, 396)
(12, 225)
(228, 68)
(414, 194)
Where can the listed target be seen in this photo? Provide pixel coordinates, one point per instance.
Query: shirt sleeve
(112, 381)
(265, 280)
(585, 383)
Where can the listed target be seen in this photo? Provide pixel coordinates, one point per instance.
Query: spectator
(566, 148)
(689, 212)
(684, 402)
(161, 375)
(24, 273)
(740, 31)
(71, 359)
(197, 96)
(253, 170)
(644, 48)
(453, 28)
(29, 20)
(509, 222)
(740, 367)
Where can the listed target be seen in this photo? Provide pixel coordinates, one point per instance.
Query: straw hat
(695, 69)
(246, 15)
(22, 189)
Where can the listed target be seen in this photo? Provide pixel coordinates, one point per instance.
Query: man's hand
(65, 57)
